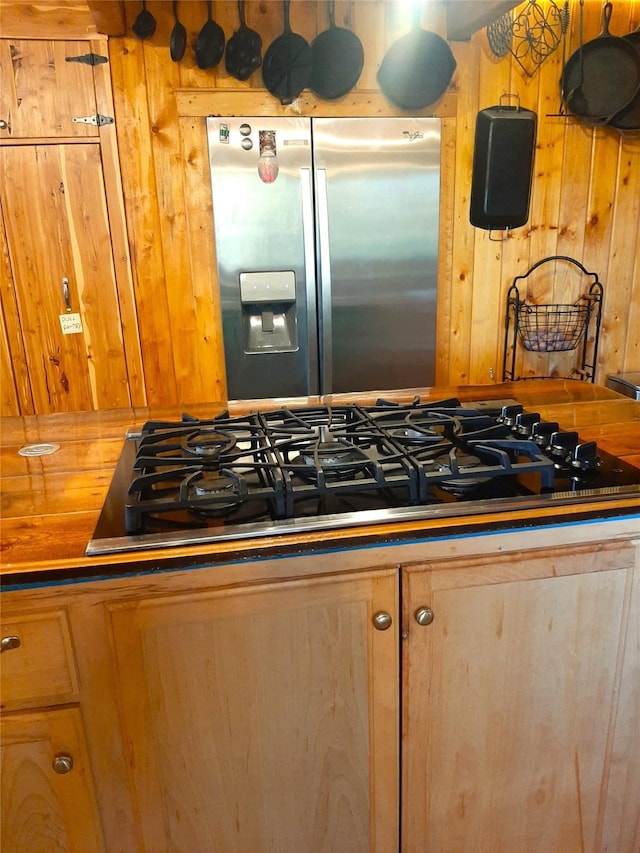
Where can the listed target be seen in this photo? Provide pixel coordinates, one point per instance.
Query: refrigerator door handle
(324, 264)
(308, 237)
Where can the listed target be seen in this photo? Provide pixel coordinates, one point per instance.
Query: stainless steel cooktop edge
(340, 521)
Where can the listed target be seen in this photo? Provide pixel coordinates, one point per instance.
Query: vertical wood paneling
(15, 388)
(135, 128)
(494, 82)
(461, 283)
(118, 229)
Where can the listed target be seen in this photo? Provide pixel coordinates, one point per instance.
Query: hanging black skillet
(243, 53)
(144, 25)
(337, 59)
(209, 46)
(602, 77)
(178, 40)
(417, 68)
(286, 68)
(629, 117)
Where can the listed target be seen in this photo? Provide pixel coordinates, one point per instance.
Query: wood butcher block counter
(50, 504)
(427, 685)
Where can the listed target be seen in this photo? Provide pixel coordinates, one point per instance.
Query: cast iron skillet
(209, 46)
(178, 40)
(416, 69)
(629, 117)
(244, 49)
(602, 77)
(144, 25)
(337, 59)
(287, 63)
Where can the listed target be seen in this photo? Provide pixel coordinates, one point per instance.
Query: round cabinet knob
(424, 615)
(382, 621)
(3, 124)
(62, 763)
(8, 643)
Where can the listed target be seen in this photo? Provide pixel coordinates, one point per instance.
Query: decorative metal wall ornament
(499, 35)
(531, 35)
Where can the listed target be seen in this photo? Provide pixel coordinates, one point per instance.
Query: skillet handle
(285, 13)
(607, 11)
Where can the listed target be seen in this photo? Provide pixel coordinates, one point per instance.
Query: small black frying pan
(243, 53)
(144, 25)
(629, 117)
(337, 59)
(417, 68)
(209, 46)
(178, 39)
(602, 77)
(287, 63)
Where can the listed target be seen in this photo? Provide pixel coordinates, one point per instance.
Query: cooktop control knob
(525, 423)
(562, 444)
(542, 431)
(585, 456)
(509, 413)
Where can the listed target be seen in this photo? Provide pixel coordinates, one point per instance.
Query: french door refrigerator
(326, 242)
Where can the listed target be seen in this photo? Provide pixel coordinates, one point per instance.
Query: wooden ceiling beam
(466, 17)
(108, 16)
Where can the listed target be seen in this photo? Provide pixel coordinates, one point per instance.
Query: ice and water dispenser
(268, 302)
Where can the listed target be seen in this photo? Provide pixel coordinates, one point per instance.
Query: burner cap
(335, 458)
(222, 492)
(461, 471)
(415, 437)
(208, 444)
(329, 453)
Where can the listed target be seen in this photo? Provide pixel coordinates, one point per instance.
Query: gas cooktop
(329, 467)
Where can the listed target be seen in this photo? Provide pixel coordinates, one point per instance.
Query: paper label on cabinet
(71, 324)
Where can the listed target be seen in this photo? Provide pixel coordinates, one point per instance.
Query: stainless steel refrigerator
(327, 242)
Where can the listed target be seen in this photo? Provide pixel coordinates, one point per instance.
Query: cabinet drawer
(37, 666)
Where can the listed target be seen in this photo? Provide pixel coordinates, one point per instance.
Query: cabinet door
(42, 92)
(263, 719)
(512, 701)
(48, 802)
(58, 235)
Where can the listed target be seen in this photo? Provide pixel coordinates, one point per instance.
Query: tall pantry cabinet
(69, 339)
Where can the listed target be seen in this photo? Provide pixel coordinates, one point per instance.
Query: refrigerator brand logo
(412, 135)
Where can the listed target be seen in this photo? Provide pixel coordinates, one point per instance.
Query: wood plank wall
(585, 201)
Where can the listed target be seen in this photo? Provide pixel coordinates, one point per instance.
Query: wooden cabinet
(520, 731)
(43, 91)
(38, 666)
(299, 704)
(68, 332)
(47, 792)
(263, 718)
(48, 801)
(58, 234)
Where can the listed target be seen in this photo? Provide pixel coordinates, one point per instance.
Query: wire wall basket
(554, 327)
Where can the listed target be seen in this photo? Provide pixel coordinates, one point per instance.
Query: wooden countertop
(50, 504)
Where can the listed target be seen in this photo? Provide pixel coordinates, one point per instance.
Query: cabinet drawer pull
(8, 643)
(382, 621)
(62, 763)
(424, 615)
